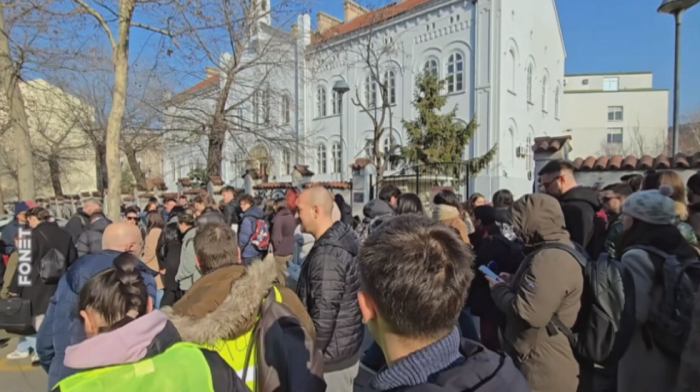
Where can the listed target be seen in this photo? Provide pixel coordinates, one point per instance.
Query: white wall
(644, 122)
(595, 82)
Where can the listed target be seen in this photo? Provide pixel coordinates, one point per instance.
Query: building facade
(503, 62)
(615, 114)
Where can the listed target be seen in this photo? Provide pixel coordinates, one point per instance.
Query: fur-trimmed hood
(209, 313)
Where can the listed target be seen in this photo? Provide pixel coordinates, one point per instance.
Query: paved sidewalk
(19, 375)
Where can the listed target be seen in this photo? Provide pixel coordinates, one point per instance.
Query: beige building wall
(632, 120)
(53, 130)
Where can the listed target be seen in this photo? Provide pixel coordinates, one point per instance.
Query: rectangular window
(611, 84)
(615, 113)
(615, 135)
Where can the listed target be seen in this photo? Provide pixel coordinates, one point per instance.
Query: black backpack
(606, 321)
(53, 265)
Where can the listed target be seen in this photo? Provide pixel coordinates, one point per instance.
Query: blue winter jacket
(249, 221)
(62, 326)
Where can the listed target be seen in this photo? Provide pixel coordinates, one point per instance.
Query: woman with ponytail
(131, 347)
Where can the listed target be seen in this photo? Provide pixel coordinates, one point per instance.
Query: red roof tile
(185, 181)
(330, 185)
(368, 19)
(274, 185)
(661, 162)
(360, 163)
(304, 170)
(206, 83)
(550, 144)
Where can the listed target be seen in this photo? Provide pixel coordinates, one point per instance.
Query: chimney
(295, 30)
(326, 22)
(353, 10)
(211, 72)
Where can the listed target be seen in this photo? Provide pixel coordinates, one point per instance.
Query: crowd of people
(457, 295)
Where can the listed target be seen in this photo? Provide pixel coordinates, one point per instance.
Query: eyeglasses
(132, 218)
(545, 185)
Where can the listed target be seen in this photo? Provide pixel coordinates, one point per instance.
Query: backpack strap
(556, 325)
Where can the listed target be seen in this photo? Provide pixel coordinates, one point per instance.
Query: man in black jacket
(232, 208)
(81, 220)
(580, 205)
(328, 287)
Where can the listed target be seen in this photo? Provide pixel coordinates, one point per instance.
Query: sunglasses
(132, 218)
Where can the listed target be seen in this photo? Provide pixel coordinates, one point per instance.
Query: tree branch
(99, 19)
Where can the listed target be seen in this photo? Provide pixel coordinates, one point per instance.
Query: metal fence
(426, 180)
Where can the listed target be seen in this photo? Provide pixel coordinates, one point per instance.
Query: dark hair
(132, 210)
(152, 206)
(556, 166)
(97, 215)
(694, 183)
(248, 199)
(634, 181)
(182, 197)
(503, 198)
(116, 292)
(409, 203)
(153, 199)
(485, 214)
(187, 217)
(664, 237)
(412, 267)
(216, 246)
(40, 213)
(280, 204)
(476, 196)
(620, 189)
(169, 199)
(447, 197)
(229, 189)
(257, 200)
(652, 180)
(269, 207)
(176, 211)
(204, 199)
(389, 191)
(155, 221)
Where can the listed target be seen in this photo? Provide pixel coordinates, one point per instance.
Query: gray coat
(643, 369)
(90, 241)
(187, 272)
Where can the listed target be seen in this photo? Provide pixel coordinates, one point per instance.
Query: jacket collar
(236, 314)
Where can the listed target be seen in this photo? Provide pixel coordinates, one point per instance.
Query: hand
(493, 282)
(507, 278)
(13, 294)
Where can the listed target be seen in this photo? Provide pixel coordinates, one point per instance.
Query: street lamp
(676, 8)
(341, 87)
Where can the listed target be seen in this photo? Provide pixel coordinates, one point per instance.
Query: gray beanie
(653, 206)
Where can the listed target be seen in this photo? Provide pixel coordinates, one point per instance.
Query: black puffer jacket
(328, 286)
(90, 241)
(580, 206)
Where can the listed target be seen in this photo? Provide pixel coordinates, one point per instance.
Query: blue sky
(618, 36)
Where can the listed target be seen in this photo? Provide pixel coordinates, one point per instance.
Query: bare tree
(10, 75)
(245, 55)
(634, 142)
(377, 53)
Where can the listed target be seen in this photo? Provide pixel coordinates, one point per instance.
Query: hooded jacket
(144, 338)
(548, 282)
(90, 240)
(224, 304)
(376, 212)
(187, 271)
(449, 216)
(62, 325)
(328, 286)
(249, 221)
(232, 212)
(580, 206)
(283, 226)
(77, 223)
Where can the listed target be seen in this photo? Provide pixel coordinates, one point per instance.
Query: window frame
(286, 109)
(556, 102)
(613, 132)
(431, 66)
(321, 102)
(607, 83)
(545, 81)
(453, 77)
(528, 94)
(370, 90)
(390, 80)
(612, 111)
(336, 157)
(322, 158)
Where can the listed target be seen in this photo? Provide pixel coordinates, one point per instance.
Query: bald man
(62, 326)
(328, 286)
(81, 220)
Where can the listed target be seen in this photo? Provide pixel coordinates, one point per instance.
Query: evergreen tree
(438, 138)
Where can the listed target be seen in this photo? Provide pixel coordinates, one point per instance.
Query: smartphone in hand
(486, 271)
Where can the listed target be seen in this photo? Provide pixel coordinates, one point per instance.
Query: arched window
(390, 80)
(266, 105)
(455, 73)
(511, 70)
(389, 144)
(336, 103)
(321, 101)
(529, 83)
(286, 109)
(544, 94)
(337, 156)
(321, 159)
(286, 162)
(370, 92)
(431, 67)
(556, 103)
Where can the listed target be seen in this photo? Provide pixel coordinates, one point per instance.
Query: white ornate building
(503, 60)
